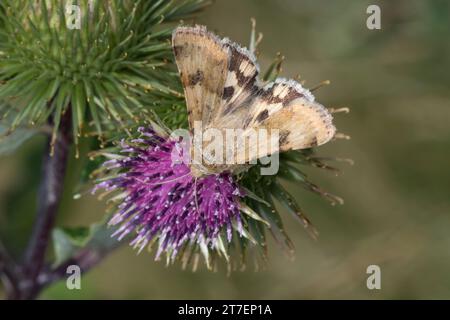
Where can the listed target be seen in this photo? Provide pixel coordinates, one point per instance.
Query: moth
(223, 91)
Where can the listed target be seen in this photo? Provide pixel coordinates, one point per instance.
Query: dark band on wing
(267, 95)
(196, 78)
(227, 93)
(237, 57)
(263, 115)
(178, 50)
(284, 134)
(242, 65)
(313, 142)
(232, 107)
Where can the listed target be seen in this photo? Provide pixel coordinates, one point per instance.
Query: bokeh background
(397, 194)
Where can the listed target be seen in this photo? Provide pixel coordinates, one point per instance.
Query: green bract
(107, 72)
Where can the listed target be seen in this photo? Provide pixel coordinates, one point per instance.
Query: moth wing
(239, 89)
(202, 61)
(220, 81)
(284, 105)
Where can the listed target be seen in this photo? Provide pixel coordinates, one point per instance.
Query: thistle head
(100, 61)
(163, 205)
(185, 212)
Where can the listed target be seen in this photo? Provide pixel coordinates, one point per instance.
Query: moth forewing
(202, 62)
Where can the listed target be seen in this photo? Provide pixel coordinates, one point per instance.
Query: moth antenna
(337, 110)
(320, 85)
(302, 82)
(167, 181)
(341, 136)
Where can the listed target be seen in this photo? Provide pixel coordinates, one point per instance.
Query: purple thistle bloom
(162, 201)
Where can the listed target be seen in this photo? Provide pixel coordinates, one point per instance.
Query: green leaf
(67, 241)
(79, 236)
(63, 246)
(101, 239)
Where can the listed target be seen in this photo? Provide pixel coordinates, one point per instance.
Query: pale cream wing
(222, 90)
(241, 86)
(202, 61)
(287, 107)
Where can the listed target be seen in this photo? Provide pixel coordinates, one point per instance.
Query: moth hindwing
(222, 90)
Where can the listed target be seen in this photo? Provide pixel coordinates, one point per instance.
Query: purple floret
(164, 202)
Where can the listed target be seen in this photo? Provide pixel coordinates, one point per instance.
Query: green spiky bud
(104, 62)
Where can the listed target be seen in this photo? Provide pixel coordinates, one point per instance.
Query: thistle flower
(158, 202)
(102, 73)
(163, 202)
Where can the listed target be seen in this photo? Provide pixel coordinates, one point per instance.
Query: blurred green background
(397, 194)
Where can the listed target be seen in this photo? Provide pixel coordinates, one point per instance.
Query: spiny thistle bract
(109, 70)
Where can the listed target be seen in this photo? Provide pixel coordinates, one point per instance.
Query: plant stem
(49, 197)
(8, 271)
